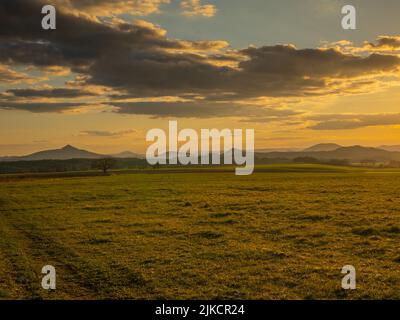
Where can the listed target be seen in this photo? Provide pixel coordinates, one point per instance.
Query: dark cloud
(392, 42)
(277, 71)
(202, 109)
(23, 99)
(98, 133)
(41, 107)
(77, 41)
(49, 93)
(350, 121)
(314, 63)
(269, 71)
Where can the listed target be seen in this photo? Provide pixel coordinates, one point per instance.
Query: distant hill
(321, 152)
(323, 147)
(68, 152)
(395, 148)
(353, 154)
(65, 153)
(279, 150)
(127, 154)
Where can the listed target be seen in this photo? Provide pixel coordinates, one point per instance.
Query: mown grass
(272, 235)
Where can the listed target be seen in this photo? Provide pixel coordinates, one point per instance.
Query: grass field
(278, 234)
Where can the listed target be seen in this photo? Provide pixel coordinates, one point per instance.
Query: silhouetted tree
(104, 164)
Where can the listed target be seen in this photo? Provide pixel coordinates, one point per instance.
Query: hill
(323, 147)
(127, 154)
(67, 153)
(391, 148)
(352, 154)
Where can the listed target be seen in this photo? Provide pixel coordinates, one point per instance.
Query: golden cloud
(196, 8)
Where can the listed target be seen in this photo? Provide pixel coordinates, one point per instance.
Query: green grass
(273, 235)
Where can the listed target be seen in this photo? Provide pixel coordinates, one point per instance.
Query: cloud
(77, 43)
(203, 109)
(45, 107)
(353, 121)
(382, 45)
(107, 8)
(195, 8)
(95, 133)
(47, 100)
(9, 76)
(286, 60)
(114, 7)
(136, 57)
(139, 60)
(201, 46)
(275, 71)
(386, 42)
(49, 93)
(57, 71)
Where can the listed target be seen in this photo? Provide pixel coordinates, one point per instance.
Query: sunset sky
(115, 69)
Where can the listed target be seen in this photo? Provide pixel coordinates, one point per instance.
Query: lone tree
(104, 164)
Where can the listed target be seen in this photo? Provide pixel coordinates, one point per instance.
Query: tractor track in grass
(29, 249)
(9, 287)
(22, 276)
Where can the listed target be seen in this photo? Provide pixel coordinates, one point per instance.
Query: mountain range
(326, 152)
(323, 147)
(323, 152)
(390, 148)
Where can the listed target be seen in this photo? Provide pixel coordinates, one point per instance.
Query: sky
(112, 70)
